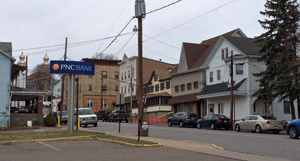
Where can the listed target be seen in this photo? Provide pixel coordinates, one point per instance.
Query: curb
(129, 144)
(52, 139)
(216, 146)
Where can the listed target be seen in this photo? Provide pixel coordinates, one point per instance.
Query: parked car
(87, 117)
(103, 114)
(293, 129)
(64, 117)
(14, 110)
(214, 121)
(182, 119)
(116, 116)
(259, 124)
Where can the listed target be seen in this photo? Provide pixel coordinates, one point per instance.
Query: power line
(124, 45)
(114, 23)
(163, 42)
(159, 53)
(191, 20)
(163, 7)
(115, 37)
(75, 43)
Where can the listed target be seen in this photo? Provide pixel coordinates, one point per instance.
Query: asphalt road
(96, 150)
(273, 145)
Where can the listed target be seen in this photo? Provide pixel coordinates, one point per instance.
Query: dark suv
(103, 115)
(182, 119)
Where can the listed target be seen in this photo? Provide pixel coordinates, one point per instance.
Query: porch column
(202, 108)
(40, 104)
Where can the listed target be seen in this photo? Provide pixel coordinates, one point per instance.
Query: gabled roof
(196, 54)
(246, 45)
(6, 49)
(162, 74)
(219, 88)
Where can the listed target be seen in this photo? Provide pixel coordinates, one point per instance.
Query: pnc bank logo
(55, 67)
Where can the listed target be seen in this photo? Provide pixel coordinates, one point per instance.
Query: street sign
(72, 67)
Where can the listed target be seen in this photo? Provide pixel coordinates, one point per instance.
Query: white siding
(125, 67)
(5, 73)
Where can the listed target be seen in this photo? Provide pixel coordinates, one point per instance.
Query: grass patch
(61, 134)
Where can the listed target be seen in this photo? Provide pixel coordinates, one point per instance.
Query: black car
(214, 121)
(116, 116)
(14, 110)
(103, 115)
(182, 119)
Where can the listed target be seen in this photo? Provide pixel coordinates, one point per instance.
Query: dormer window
(211, 76)
(224, 53)
(239, 69)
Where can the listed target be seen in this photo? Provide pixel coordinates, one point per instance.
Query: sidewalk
(198, 147)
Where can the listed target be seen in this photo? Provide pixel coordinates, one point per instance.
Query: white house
(245, 64)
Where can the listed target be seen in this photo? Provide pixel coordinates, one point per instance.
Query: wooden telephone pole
(140, 11)
(231, 88)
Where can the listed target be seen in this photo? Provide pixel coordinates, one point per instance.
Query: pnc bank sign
(72, 67)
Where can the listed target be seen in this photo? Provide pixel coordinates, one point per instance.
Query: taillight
(117, 115)
(268, 122)
(186, 115)
(104, 112)
(280, 123)
(218, 120)
(230, 121)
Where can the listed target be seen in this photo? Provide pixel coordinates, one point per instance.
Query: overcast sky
(36, 23)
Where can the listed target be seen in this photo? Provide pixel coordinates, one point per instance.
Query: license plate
(275, 127)
(225, 121)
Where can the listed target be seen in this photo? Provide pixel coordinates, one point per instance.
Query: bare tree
(104, 56)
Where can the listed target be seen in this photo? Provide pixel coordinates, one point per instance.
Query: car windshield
(85, 111)
(269, 118)
(65, 113)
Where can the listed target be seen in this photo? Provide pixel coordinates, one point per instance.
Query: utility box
(145, 128)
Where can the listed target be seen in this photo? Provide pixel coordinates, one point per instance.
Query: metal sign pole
(71, 103)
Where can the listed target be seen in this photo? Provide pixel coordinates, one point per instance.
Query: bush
(50, 120)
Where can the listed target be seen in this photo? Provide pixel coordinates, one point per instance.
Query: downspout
(11, 93)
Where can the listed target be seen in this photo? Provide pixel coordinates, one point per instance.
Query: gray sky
(35, 23)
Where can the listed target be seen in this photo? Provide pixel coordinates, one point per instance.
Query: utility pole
(231, 88)
(120, 109)
(131, 87)
(140, 11)
(77, 94)
(101, 90)
(63, 82)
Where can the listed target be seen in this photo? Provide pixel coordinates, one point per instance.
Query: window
(182, 87)
(117, 75)
(182, 107)
(128, 73)
(220, 108)
(104, 103)
(104, 88)
(176, 88)
(168, 85)
(90, 87)
(190, 107)
(104, 74)
(121, 89)
(239, 69)
(150, 89)
(196, 85)
(254, 118)
(211, 76)
(125, 75)
(189, 86)
(125, 89)
(219, 74)
(224, 53)
(162, 86)
(157, 88)
(286, 107)
(90, 103)
(155, 77)
(122, 76)
(117, 88)
(164, 100)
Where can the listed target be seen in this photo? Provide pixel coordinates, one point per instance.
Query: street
(275, 145)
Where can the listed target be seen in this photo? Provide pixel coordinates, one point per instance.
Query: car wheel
(181, 124)
(85, 125)
(237, 128)
(258, 129)
(226, 128)
(95, 125)
(212, 126)
(199, 126)
(169, 123)
(293, 133)
(126, 121)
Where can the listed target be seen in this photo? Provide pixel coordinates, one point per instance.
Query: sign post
(71, 68)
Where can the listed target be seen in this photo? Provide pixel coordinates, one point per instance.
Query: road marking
(50, 146)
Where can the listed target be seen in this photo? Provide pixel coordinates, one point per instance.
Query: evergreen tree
(278, 46)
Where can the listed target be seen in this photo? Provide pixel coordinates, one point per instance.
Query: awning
(24, 94)
(184, 99)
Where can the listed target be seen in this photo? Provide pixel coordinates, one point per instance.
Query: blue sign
(72, 67)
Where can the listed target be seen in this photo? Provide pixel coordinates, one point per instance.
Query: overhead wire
(125, 44)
